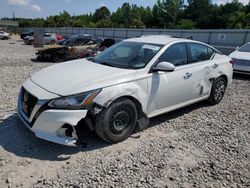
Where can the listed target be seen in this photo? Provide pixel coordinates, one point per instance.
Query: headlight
(79, 101)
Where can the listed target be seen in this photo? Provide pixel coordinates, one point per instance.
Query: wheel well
(136, 102)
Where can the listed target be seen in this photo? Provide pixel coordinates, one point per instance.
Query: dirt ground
(196, 146)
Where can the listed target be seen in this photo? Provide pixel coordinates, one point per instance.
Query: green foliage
(200, 14)
(185, 24)
(169, 10)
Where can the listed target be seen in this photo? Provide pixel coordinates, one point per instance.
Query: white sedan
(122, 88)
(4, 35)
(241, 58)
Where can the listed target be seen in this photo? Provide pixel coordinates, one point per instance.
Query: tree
(164, 14)
(201, 12)
(170, 9)
(185, 24)
(101, 13)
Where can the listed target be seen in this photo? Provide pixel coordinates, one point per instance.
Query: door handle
(215, 66)
(187, 76)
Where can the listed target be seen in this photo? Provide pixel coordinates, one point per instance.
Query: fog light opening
(67, 131)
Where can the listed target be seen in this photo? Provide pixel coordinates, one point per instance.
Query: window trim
(187, 54)
(190, 54)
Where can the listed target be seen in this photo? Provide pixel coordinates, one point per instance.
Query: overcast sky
(44, 8)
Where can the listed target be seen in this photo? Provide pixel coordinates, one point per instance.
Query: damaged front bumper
(53, 125)
(50, 125)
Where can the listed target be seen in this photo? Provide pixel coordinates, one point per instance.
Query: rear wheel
(117, 122)
(217, 91)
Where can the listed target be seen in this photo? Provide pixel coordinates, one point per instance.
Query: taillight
(232, 62)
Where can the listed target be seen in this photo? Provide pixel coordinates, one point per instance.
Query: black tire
(52, 42)
(31, 42)
(117, 122)
(5, 38)
(217, 91)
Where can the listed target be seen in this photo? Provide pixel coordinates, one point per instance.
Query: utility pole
(13, 16)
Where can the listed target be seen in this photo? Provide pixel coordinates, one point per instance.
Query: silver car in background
(241, 58)
(48, 38)
(4, 35)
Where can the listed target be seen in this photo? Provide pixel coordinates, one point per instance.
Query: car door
(168, 90)
(203, 69)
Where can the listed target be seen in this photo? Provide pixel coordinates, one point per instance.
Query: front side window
(200, 52)
(131, 55)
(175, 54)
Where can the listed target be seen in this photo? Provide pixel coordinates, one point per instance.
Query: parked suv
(121, 88)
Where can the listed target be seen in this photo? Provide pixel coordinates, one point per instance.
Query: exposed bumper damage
(53, 125)
(56, 125)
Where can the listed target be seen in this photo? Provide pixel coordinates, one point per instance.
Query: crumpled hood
(79, 76)
(240, 55)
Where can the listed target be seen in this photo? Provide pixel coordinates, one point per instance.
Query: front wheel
(117, 122)
(217, 91)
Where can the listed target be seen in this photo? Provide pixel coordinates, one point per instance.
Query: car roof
(157, 39)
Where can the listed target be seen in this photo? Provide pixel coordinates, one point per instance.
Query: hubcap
(219, 90)
(120, 121)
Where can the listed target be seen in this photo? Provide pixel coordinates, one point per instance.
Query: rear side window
(175, 54)
(210, 52)
(200, 52)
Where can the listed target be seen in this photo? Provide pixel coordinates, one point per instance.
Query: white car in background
(4, 35)
(241, 58)
(122, 87)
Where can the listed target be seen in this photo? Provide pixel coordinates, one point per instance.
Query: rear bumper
(241, 69)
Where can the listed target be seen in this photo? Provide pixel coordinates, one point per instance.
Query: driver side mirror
(237, 48)
(164, 66)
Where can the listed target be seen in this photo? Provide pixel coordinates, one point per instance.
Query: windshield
(130, 55)
(245, 48)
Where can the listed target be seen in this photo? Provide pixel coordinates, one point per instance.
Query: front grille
(242, 62)
(28, 102)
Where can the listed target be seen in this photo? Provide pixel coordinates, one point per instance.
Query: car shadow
(176, 113)
(239, 76)
(34, 60)
(17, 139)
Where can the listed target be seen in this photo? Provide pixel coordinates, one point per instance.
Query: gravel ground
(197, 146)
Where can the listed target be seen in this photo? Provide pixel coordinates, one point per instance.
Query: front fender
(136, 89)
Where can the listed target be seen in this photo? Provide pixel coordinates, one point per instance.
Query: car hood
(78, 76)
(240, 55)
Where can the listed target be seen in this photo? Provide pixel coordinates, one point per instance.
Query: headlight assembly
(78, 101)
